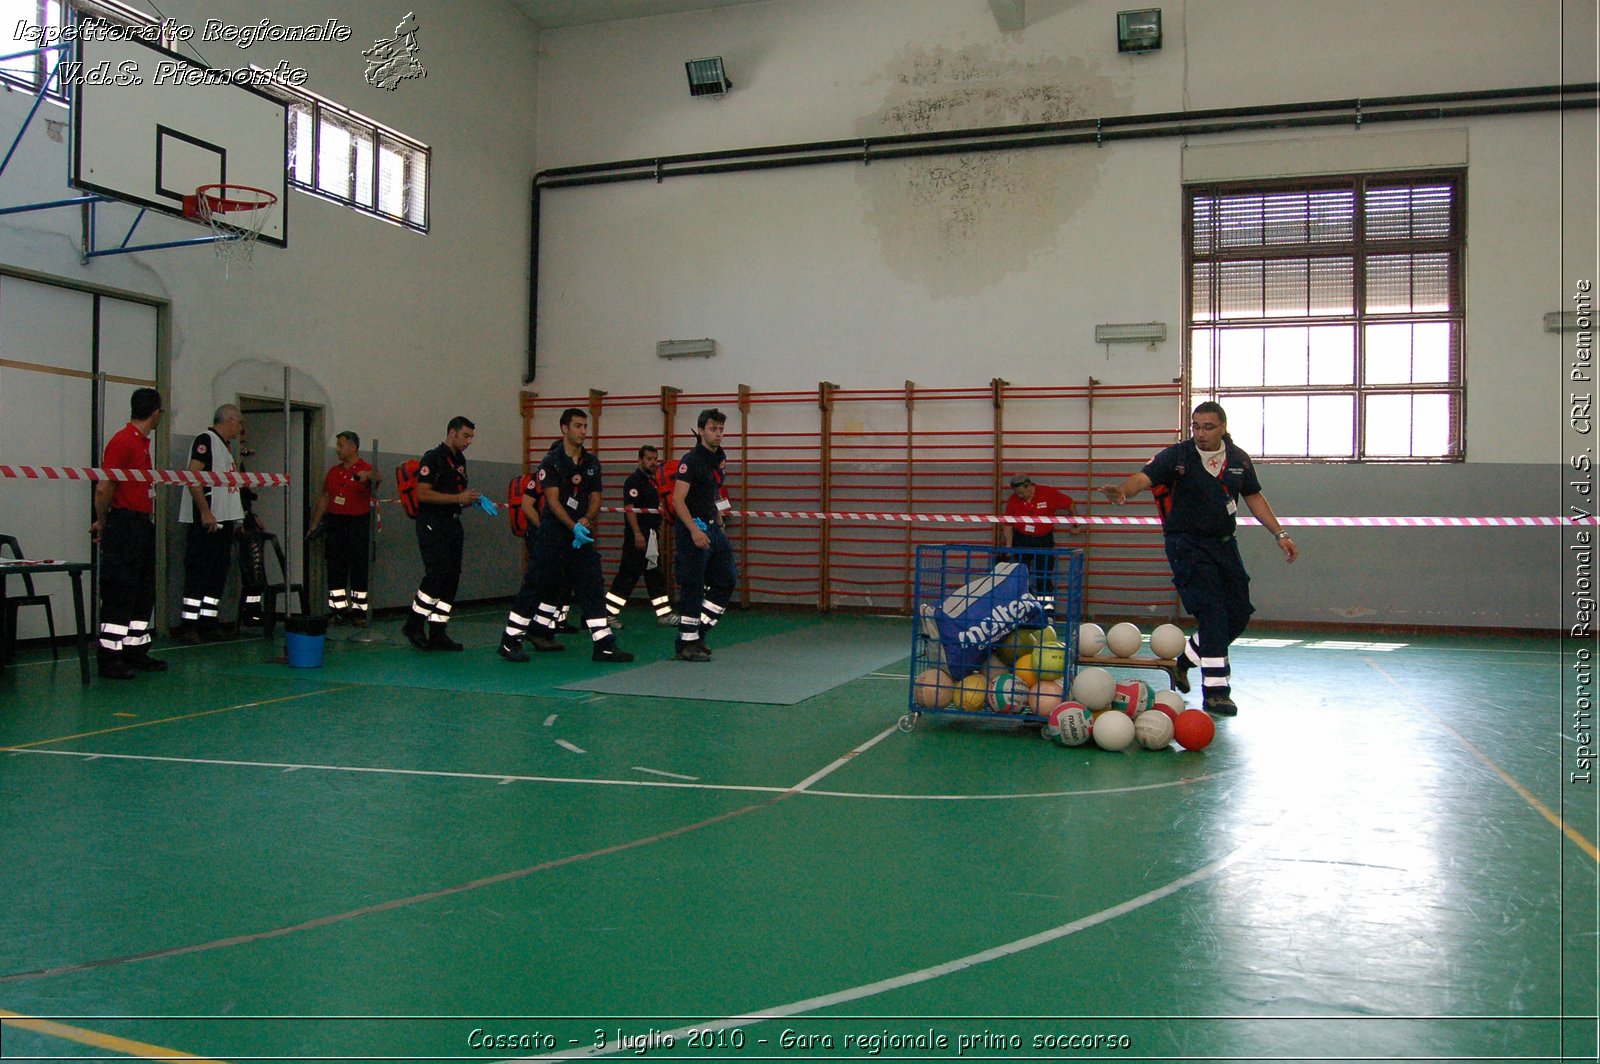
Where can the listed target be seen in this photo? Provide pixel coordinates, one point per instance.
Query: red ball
(1193, 729)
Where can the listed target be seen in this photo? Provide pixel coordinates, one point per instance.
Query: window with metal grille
(32, 33)
(344, 156)
(1326, 317)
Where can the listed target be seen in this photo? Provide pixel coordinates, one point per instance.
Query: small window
(344, 156)
(37, 27)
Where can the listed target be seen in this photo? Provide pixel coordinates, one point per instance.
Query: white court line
(570, 746)
(924, 975)
(551, 719)
(669, 775)
(493, 777)
(502, 778)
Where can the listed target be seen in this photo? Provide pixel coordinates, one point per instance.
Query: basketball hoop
(236, 215)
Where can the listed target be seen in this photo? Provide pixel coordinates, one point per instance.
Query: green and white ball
(1006, 695)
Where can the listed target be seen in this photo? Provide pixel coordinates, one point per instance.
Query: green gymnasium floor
(408, 856)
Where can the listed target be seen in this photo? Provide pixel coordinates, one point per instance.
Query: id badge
(1233, 507)
(572, 503)
(338, 500)
(723, 505)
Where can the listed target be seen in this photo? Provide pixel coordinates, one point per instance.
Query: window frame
(416, 157)
(74, 11)
(414, 154)
(1361, 248)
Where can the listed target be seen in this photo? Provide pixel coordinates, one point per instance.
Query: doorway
(275, 444)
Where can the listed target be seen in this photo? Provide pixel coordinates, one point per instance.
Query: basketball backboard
(149, 126)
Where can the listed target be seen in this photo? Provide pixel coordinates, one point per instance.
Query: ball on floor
(1153, 729)
(1112, 730)
(1071, 724)
(1194, 729)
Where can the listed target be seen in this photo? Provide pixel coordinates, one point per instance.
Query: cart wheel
(909, 721)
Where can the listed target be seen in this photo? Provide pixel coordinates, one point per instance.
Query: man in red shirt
(124, 526)
(1038, 501)
(344, 515)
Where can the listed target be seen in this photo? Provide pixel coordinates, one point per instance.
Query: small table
(11, 566)
(1166, 665)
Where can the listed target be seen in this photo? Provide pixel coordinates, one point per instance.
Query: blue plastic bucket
(305, 651)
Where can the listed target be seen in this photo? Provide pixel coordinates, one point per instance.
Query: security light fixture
(1139, 31)
(706, 77)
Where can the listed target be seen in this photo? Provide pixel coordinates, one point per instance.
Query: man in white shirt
(213, 514)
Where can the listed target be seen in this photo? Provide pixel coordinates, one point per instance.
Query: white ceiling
(550, 14)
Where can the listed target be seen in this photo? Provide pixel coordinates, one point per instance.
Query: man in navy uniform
(1198, 484)
(705, 567)
(442, 494)
(563, 551)
(642, 531)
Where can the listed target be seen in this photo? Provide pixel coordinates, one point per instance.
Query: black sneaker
(610, 653)
(513, 652)
(415, 635)
(692, 651)
(1221, 706)
(544, 644)
(1180, 676)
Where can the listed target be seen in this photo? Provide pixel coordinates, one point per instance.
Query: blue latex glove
(581, 536)
(487, 505)
(701, 525)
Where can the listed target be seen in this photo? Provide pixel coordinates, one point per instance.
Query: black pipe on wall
(1354, 112)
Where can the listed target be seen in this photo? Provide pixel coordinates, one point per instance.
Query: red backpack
(406, 480)
(514, 497)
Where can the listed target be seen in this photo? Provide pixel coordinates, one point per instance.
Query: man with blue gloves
(563, 551)
(707, 574)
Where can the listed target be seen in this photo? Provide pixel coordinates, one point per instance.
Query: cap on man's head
(1020, 480)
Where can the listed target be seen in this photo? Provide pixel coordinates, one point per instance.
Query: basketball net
(236, 215)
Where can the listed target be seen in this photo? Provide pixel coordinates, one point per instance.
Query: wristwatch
(1282, 533)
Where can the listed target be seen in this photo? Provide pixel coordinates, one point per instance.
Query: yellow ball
(934, 689)
(972, 692)
(1052, 661)
(1028, 669)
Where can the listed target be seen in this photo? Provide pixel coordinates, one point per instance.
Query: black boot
(439, 637)
(112, 667)
(141, 661)
(511, 650)
(414, 633)
(609, 651)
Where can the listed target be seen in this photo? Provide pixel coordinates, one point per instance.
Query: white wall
(954, 269)
(400, 331)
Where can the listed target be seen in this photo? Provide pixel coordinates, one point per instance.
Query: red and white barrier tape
(1288, 522)
(274, 480)
(143, 476)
